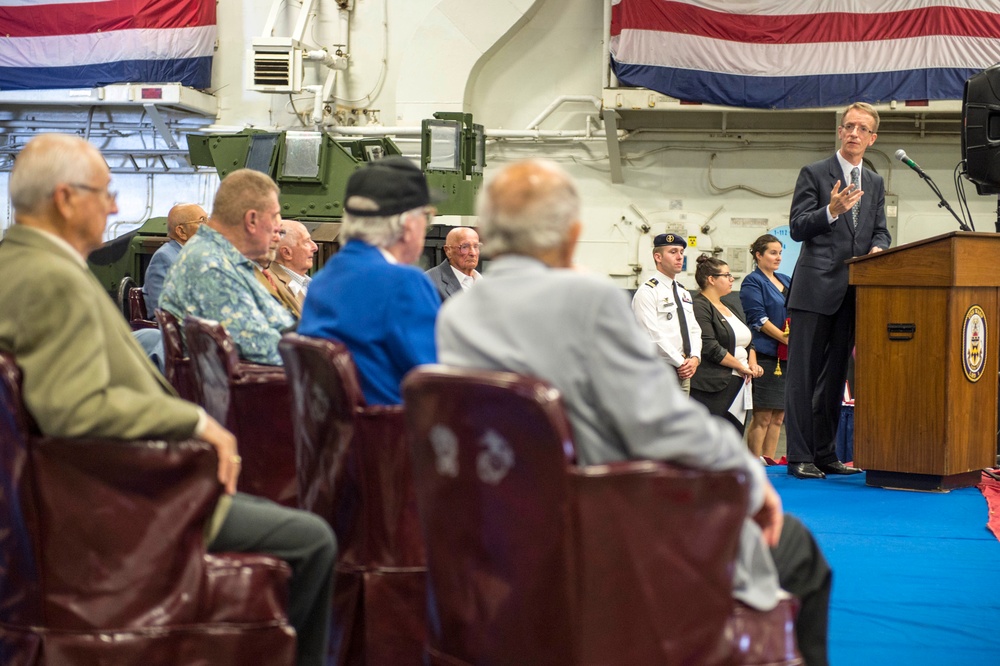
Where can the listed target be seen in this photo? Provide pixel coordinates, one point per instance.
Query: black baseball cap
(388, 186)
(662, 240)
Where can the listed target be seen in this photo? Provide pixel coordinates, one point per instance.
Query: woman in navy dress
(763, 298)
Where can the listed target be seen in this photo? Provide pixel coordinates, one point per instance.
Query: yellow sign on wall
(692, 241)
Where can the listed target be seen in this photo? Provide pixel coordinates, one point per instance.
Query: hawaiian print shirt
(212, 280)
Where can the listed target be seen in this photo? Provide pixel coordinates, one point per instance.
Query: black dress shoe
(805, 471)
(837, 467)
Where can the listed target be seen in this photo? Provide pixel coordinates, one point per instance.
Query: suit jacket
(156, 273)
(384, 313)
(717, 339)
(577, 332)
(284, 279)
(820, 281)
(444, 279)
(84, 374)
(281, 293)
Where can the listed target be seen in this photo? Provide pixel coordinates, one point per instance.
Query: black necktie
(682, 320)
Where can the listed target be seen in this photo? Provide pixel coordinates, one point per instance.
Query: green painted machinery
(312, 169)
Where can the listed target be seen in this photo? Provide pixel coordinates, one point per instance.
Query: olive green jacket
(84, 375)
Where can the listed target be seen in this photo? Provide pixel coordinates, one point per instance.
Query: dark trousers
(306, 543)
(718, 402)
(803, 571)
(819, 348)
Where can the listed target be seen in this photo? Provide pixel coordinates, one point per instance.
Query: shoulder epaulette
(652, 282)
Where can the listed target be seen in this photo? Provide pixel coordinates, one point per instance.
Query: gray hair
(380, 231)
(44, 163)
(528, 208)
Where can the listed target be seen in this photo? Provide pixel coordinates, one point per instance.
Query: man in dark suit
(838, 212)
(458, 271)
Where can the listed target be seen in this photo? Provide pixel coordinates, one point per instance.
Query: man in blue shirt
(183, 221)
(367, 296)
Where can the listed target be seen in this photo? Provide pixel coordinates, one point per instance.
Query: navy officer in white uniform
(664, 310)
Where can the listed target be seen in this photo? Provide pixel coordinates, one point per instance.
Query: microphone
(901, 156)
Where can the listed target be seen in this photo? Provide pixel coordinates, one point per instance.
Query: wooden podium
(926, 361)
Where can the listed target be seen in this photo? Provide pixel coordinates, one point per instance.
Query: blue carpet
(914, 573)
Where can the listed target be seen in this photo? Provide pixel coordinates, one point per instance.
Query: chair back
(138, 317)
(98, 568)
(532, 559)
(213, 361)
(253, 401)
(19, 602)
(176, 365)
(490, 453)
(354, 470)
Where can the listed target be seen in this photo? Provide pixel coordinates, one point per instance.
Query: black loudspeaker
(981, 130)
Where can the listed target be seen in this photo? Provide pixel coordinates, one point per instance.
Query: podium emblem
(974, 343)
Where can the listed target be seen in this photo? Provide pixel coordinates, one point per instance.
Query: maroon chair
(176, 364)
(138, 318)
(354, 470)
(102, 555)
(533, 559)
(253, 401)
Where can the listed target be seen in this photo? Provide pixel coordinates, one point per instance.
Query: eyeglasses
(195, 223)
(465, 248)
(109, 195)
(725, 275)
(862, 130)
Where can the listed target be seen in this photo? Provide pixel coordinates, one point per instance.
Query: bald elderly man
(294, 259)
(458, 271)
(183, 221)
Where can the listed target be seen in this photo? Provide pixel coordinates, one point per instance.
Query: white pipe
(373, 130)
(378, 130)
(320, 55)
(317, 114)
(559, 101)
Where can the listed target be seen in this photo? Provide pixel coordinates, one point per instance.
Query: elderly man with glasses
(458, 271)
(183, 221)
(838, 212)
(368, 296)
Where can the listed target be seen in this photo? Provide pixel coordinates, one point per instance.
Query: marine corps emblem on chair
(550, 563)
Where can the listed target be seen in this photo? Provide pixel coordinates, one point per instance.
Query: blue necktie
(856, 182)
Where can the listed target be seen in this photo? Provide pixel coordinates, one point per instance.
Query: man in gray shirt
(536, 316)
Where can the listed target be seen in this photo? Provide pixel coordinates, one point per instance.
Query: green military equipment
(311, 168)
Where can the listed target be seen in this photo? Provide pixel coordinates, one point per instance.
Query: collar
(388, 257)
(222, 243)
(462, 276)
(58, 242)
(846, 168)
(301, 280)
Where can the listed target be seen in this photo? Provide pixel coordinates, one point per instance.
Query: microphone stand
(942, 203)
